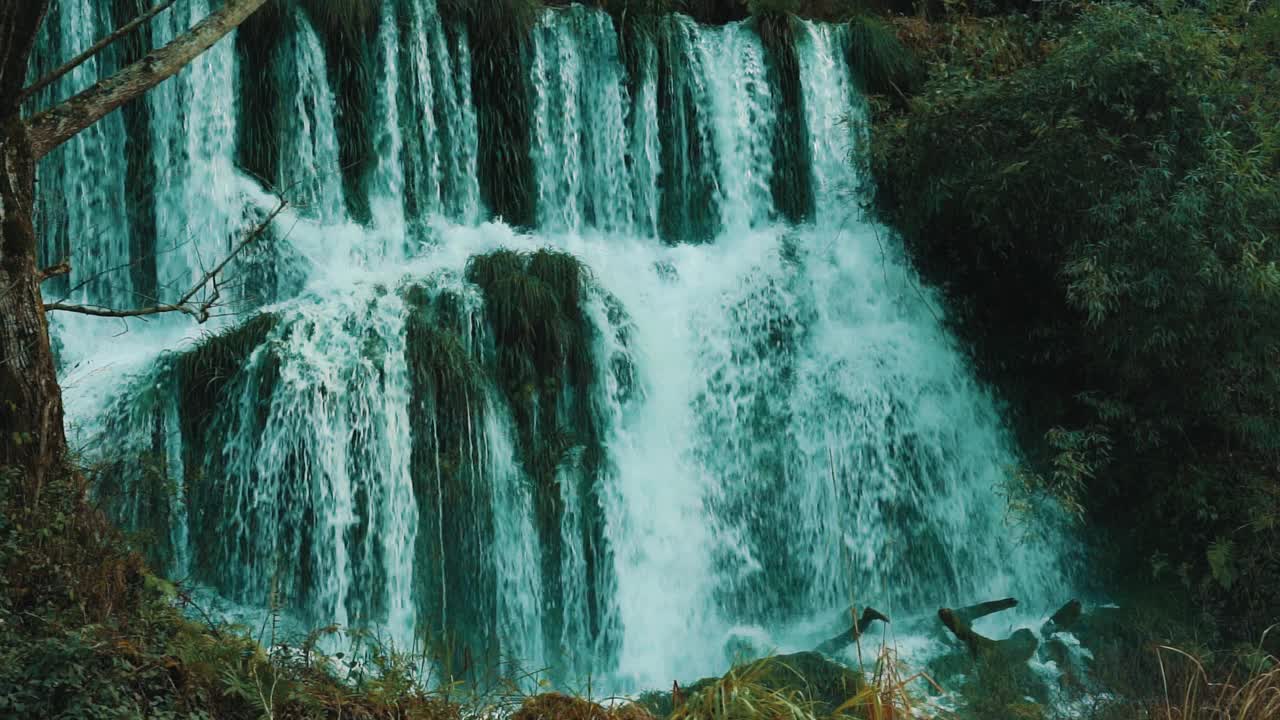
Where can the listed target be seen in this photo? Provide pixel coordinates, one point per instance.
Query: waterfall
(198, 191)
(309, 161)
(673, 408)
(84, 214)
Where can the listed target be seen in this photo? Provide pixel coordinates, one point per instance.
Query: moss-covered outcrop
(555, 706)
(449, 403)
(791, 182)
(544, 365)
(350, 30)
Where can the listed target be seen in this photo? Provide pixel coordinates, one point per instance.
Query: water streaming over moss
(697, 391)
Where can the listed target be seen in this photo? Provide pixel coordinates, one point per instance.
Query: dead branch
(1017, 648)
(93, 50)
(970, 613)
(847, 637)
(54, 126)
(53, 271)
(187, 304)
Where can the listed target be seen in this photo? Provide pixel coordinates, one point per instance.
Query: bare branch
(187, 304)
(60, 123)
(96, 48)
(53, 271)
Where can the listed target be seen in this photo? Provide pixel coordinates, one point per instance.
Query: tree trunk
(32, 438)
(31, 434)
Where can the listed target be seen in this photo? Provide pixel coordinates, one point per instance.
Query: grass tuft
(879, 59)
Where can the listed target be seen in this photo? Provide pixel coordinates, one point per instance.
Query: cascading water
(84, 217)
(592, 445)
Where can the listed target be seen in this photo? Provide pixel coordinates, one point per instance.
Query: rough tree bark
(32, 438)
(31, 434)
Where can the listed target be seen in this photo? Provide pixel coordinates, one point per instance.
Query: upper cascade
(573, 346)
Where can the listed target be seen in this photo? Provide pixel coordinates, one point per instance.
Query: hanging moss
(200, 378)
(203, 372)
(689, 211)
(260, 124)
(350, 30)
(447, 409)
(715, 12)
(343, 17)
(435, 350)
(791, 182)
(140, 170)
(532, 303)
(545, 367)
(498, 31)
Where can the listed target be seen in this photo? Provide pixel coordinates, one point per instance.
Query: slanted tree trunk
(1018, 648)
(31, 434)
(32, 438)
(846, 638)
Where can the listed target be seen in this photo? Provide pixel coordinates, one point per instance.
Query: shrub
(1103, 217)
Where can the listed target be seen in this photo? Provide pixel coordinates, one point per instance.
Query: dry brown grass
(555, 706)
(1255, 696)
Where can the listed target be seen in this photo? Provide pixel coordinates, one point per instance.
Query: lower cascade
(577, 354)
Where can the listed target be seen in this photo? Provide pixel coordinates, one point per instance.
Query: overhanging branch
(93, 50)
(54, 126)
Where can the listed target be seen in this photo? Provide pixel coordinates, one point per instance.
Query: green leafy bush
(1104, 213)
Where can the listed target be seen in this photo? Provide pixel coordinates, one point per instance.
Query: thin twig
(198, 310)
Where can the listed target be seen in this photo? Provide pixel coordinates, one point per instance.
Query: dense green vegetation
(1098, 191)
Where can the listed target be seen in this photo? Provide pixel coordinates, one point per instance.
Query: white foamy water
(768, 425)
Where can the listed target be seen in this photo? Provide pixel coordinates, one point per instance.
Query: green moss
(533, 306)
(688, 192)
(344, 17)
(204, 371)
(448, 408)
(498, 32)
(259, 126)
(791, 181)
(201, 376)
(544, 365)
(349, 29)
(816, 682)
